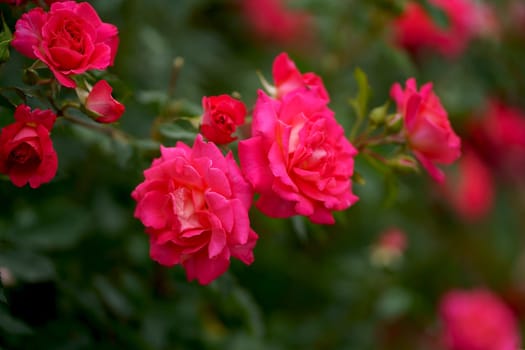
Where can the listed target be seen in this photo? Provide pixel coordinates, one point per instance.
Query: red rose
(298, 159)
(26, 150)
(222, 115)
(194, 203)
(427, 128)
(100, 102)
(70, 39)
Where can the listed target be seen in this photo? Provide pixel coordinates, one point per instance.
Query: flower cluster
(70, 39)
(295, 158)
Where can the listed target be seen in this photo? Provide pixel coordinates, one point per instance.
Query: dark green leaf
(5, 41)
(27, 266)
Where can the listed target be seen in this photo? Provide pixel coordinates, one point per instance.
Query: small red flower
(427, 128)
(222, 115)
(26, 150)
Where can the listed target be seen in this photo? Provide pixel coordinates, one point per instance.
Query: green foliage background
(83, 278)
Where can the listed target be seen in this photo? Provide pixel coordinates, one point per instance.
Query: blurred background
(75, 264)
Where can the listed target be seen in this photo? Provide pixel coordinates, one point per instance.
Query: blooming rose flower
(100, 102)
(271, 20)
(288, 78)
(499, 135)
(415, 29)
(478, 320)
(194, 203)
(70, 39)
(426, 126)
(298, 158)
(222, 115)
(471, 191)
(26, 150)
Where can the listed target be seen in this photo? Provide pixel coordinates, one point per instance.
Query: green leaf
(180, 131)
(11, 325)
(27, 266)
(251, 311)
(112, 297)
(299, 226)
(360, 103)
(5, 39)
(438, 15)
(3, 299)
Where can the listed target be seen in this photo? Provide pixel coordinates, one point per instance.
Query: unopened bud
(394, 123)
(404, 163)
(378, 114)
(30, 76)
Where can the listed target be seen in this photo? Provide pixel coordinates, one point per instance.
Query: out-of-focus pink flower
(298, 158)
(26, 150)
(273, 21)
(415, 29)
(477, 320)
(393, 239)
(70, 39)
(390, 247)
(426, 126)
(499, 135)
(222, 115)
(194, 203)
(100, 102)
(287, 78)
(471, 190)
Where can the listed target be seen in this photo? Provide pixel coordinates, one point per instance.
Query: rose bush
(70, 39)
(477, 320)
(426, 126)
(222, 115)
(26, 150)
(194, 203)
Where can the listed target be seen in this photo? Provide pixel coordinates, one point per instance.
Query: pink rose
(288, 78)
(222, 115)
(101, 103)
(70, 39)
(426, 127)
(499, 135)
(271, 20)
(415, 29)
(478, 320)
(194, 203)
(471, 191)
(26, 150)
(298, 158)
